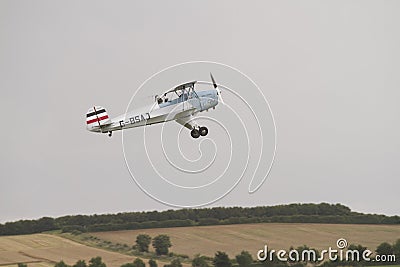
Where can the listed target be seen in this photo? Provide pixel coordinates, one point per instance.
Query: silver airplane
(180, 104)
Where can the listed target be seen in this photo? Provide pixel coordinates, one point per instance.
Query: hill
(292, 213)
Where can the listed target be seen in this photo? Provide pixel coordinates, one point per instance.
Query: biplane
(180, 104)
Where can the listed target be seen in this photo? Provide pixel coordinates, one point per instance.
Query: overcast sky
(329, 69)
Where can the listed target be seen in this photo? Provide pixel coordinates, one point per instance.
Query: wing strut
(187, 122)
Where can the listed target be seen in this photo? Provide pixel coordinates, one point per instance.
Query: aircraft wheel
(203, 131)
(195, 133)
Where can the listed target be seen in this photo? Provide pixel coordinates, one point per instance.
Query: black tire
(203, 131)
(195, 133)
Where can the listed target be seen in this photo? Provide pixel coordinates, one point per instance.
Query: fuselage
(185, 105)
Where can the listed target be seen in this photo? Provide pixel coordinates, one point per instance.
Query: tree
(221, 259)
(161, 244)
(308, 257)
(384, 249)
(80, 263)
(22, 265)
(175, 263)
(244, 259)
(139, 263)
(45, 224)
(199, 261)
(142, 242)
(359, 248)
(136, 263)
(96, 262)
(396, 250)
(152, 263)
(61, 264)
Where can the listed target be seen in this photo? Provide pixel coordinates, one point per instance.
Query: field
(232, 239)
(43, 250)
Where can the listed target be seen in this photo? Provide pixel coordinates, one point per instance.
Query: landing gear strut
(196, 133)
(109, 134)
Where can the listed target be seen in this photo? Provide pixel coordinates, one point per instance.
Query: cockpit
(177, 95)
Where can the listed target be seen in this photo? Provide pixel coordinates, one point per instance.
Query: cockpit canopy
(178, 94)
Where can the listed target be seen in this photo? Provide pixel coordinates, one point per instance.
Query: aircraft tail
(96, 117)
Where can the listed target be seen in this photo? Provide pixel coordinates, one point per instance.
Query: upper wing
(181, 87)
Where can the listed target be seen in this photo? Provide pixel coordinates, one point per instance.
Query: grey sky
(328, 68)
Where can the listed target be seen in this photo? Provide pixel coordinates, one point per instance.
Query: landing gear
(203, 131)
(196, 133)
(109, 134)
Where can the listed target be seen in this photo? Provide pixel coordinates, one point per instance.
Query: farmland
(232, 239)
(43, 250)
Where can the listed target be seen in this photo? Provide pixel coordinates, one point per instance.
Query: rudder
(96, 117)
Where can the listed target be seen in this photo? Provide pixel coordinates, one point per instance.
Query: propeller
(216, 88)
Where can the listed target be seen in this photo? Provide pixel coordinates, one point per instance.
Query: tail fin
(97, 117)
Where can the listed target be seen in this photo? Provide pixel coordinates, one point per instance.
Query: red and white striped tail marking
(97, 116)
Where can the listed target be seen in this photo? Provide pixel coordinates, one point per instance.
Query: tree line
(292, 213)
